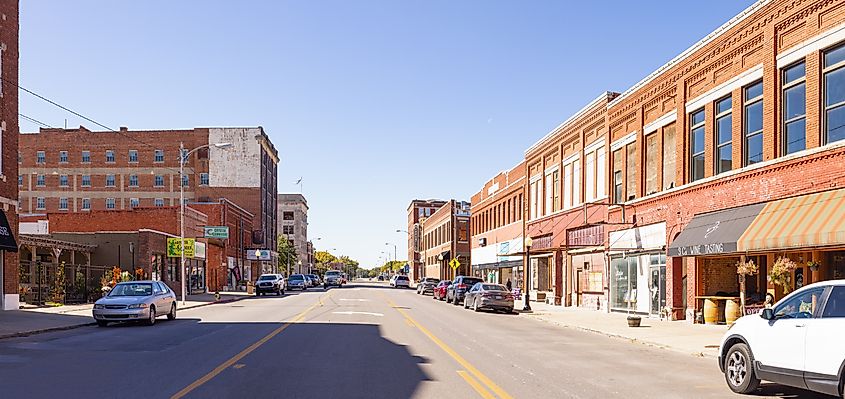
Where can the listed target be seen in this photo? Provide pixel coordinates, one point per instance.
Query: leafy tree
(287, 255)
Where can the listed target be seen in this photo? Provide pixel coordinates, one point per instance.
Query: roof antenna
(65, 123)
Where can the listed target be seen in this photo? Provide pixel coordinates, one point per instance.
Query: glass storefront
(657, 282)
(623, 295)
(638, 283)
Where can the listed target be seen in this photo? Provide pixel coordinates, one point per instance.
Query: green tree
(287, 255)
(324, 258)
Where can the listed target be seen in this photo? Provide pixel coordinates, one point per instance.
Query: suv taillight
(461, 286)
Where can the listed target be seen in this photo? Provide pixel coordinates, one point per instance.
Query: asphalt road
(360, 341)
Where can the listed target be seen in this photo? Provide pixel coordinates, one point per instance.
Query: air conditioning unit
(482, 241)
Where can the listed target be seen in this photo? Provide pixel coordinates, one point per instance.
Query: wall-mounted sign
(216, 232)
(258, 254)
(199, 250)
(590, 236)
(174, 248)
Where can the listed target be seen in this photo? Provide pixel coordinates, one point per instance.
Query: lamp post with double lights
(183, 158)
(528, 243)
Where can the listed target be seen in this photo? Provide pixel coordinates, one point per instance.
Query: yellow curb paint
(234, 359)
(475, 385)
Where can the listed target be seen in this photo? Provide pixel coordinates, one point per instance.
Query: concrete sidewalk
(679, 336)
(35, 320)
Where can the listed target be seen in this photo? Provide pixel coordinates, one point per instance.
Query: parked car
(400, 281)
(135, 300)
(315, 279)
(270, 283)
(297, 281)
(439, 291)
(380, 277)
(427, 285)
(489, 296)
(333, 278)
(455, 293)
(797, 342)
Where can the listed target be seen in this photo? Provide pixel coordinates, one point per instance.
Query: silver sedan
(136, 300)
(489, 296)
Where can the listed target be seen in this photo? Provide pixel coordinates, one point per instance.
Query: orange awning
(812, 220)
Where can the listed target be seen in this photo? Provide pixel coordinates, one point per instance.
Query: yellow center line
(451, 352)
(475, 385)
(234, 359)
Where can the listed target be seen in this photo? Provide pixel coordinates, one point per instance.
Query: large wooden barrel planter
(711, 311)
(732, 311)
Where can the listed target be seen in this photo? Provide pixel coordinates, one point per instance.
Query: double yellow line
(479, 382)
(234, 359)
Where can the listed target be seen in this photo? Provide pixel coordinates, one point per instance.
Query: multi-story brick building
(9, 130)
(78, 170)
(496, 227)
(418, 210)
(293, 224)
(445, 236)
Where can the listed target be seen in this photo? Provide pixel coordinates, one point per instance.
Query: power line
(33, 120)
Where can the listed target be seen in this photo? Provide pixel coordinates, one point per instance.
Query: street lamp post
(528, 242)
(183, 157)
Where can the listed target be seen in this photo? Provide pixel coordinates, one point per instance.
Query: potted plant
(781, 273)
(634, 320)
(813, 265)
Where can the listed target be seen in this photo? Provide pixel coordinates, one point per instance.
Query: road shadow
(20, 323)
(770, 390)
(302, 360)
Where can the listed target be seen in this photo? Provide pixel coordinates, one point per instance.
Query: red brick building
(418, 210)
(9, 130)
(445, 236)
(496, 227)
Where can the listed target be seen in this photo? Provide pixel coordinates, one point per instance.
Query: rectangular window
(20, 181)
(567, 186)
(669, 157)
(631, 172)
(618, 194)
(133, 155)
(724, 135)
(63, 181)
(109, 156)
(62, 156)
(40, 180)
(185, 180)
(601, 173)
(696, 145)
(134, 203)
(86, 204)
(86, 156)
(651, 164)
(590, 176)
(794, 109)
(287, 229)
(834, 95)
(40, 157)
(109, 180)
(109, 203)
(287, 215)
(549, 194)
(63, 203)
(159, 202)
(204, 179)
(534, 193)
(576, 182)
(753, 124)
(133, 180)
(159, 181)
(159, 155)
(40, 203)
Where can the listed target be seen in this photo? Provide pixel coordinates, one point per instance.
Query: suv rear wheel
(739, 370)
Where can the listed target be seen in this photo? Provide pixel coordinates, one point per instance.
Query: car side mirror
(768, 314)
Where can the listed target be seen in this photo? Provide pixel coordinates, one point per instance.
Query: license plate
(498, 297)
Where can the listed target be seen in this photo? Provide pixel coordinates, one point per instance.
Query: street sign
(174, 249)
(455, 263)
(258, 254)
(217, 232)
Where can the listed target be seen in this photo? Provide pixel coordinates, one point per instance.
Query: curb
(75, 326)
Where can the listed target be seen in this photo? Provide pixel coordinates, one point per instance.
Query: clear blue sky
(372, 103)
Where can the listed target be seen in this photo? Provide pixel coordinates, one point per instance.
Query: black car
(456, 292)
(270, 284)
(427, 285)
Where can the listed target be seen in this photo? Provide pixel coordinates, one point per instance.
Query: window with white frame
(669, 156)
(86, 180)
(618, 189)
(590, 176)
(834, 94)
(109, 203)
(552, 193)
(109, 180)
(571, 183)
(159, 181)
(62, 156)
(185, 180)
(651, 159)
(40, 203)
(159, 202)
(133, 180)
(794, 109)
(159, 155)
(696, 145)
(204, 179)
(753, 123)
(20, 181)
(133, 155)
(724, 135)
(134, 203)
(631, 171)
(109, 156)
(63, 180)
(40, 157)
(86, 156)
(86, 204)
(534, 194)
(41, 180)
(63, 203)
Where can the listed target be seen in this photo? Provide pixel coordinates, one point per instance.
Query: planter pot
(814, 268)
(634, 321)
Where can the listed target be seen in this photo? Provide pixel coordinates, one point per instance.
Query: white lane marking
(364, 313)
(354, 299)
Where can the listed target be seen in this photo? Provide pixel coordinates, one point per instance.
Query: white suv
(798, 342)
(400, 281)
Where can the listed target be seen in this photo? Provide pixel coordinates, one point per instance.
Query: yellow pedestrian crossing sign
(455, 263)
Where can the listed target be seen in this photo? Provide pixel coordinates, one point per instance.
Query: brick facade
(418, 210)
(9, 130)
(446, 233)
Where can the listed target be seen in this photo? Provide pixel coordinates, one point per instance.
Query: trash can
(250, 287)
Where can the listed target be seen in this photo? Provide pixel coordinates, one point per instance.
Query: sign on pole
(174, 249)
(216, 232)
(455, 263)
(258, 254)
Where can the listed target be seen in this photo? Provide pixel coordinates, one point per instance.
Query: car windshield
(268, 277)
(431, 280)
(335, 274)
(401, 278)
(493, 287)
(132, 289)
(471, 281)
(296, 277)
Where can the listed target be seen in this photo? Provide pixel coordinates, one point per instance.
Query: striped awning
(812, 220)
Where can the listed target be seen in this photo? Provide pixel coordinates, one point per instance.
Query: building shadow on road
(770, 390)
